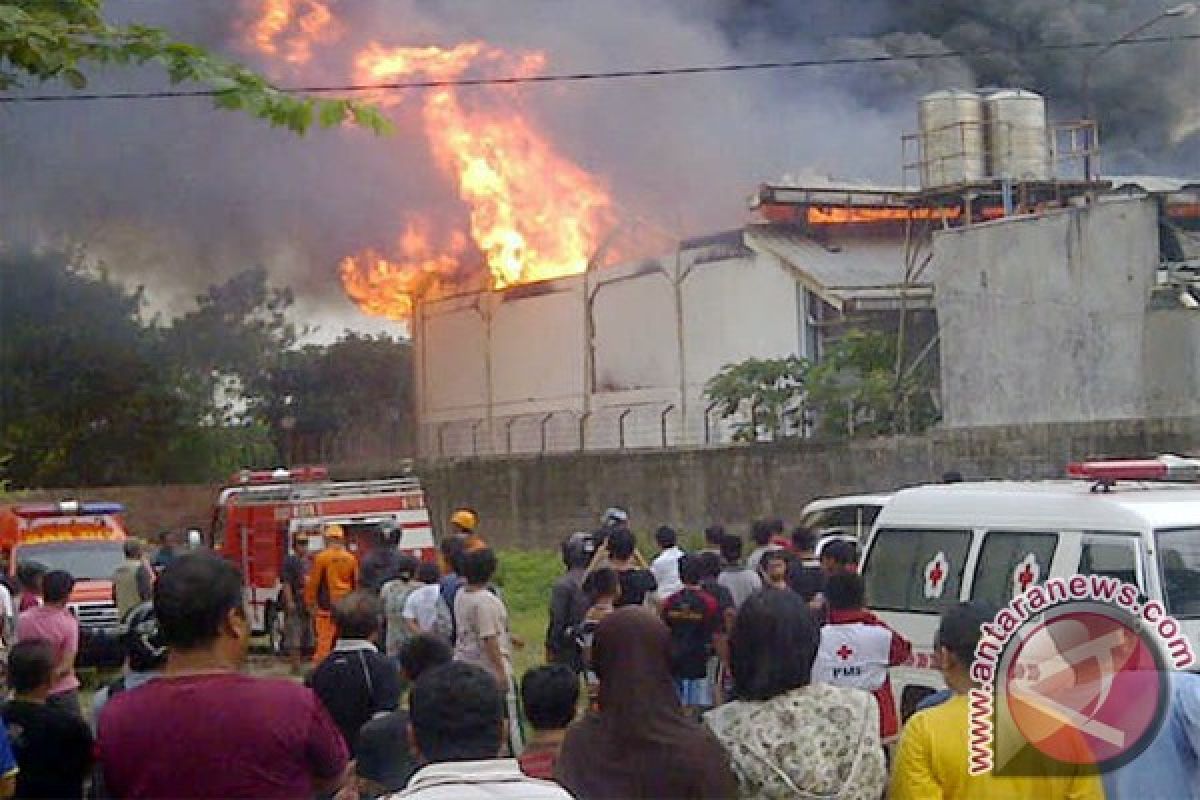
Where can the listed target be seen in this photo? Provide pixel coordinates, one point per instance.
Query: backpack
(443, 624)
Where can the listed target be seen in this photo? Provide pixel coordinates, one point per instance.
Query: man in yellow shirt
(933, 756)
(334, 575)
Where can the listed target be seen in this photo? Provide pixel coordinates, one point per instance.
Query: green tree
(761, 396)
(90, 394)
(44, 40)
(351, 399)
(855, 391)
(227, 346)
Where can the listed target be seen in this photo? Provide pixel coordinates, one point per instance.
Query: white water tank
(1017, 140)
(952, 138)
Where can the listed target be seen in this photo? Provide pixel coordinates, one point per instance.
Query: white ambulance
(934, 546)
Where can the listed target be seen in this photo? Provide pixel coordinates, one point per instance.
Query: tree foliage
(853, 390)
(44, 40)
(357, 388)
(93, 394)
(762, 396)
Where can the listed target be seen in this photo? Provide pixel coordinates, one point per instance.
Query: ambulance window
(1110, 554)
(1009, 563)
(915, 570)
(1179, 562)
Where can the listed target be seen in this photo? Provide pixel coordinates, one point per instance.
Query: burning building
(1020, 280)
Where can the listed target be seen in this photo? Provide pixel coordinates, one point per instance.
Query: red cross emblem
(1026, 574)
(935, 576)
(844, 652)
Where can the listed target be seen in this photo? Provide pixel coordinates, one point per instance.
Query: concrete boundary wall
(533, 501)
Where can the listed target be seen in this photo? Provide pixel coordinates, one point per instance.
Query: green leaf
(74, 78)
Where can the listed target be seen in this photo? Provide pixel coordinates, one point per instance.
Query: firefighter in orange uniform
(334, 575)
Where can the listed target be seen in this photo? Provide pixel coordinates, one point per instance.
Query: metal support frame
(545, 421)
(621, 427)
(663, 422)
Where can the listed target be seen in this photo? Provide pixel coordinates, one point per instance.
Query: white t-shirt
(421, 606)
(666, 571)
(479, 615)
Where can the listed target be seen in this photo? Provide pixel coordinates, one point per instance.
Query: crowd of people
(687, 675)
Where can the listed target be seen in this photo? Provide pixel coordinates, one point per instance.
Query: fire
(389, 288)
(532, 213)
(847, 215)
(290, 29)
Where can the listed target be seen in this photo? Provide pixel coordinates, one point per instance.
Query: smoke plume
(175, 195)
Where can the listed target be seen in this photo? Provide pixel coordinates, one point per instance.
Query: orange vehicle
(86, 540)
(256, 519)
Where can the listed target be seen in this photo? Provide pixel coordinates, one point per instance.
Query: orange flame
(532, 213)
(389, 288)
(291, 28)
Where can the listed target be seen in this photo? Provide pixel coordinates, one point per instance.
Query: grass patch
(525, 577)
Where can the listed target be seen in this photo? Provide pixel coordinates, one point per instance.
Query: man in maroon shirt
(203, 729)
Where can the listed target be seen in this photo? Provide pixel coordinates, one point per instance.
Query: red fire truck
(257, 518)
(85, 539)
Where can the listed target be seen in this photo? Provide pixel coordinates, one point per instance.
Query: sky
(174, 195)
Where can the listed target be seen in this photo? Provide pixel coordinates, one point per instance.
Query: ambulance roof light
(1163, 468)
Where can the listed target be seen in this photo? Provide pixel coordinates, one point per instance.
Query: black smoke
(176, 195)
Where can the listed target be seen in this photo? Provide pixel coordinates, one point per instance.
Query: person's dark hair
(164, 538)
(760, 532)
(549, 695)
(479, 566)
(193, 596)
(841, 551)
(803, 538)
(456, 710)
(601, 582)
(57, 586)
(621, 544)
(132, 548)
(773, 555)
(691, 569)
(776, 526)
(428, 572)
(731, 548)
(356, 615)
(710, 564)
(30, 665)
(713, 535)
(845, 591)
(666, 537)
(424, 652)
(960, 630)
(406, 566)
(772, 646)
(28, 575)
(452, 548)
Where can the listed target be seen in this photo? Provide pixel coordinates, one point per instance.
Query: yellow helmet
(334, 531)
(465, 519)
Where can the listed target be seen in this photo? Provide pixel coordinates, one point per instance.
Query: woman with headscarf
(786, 736)
(640, 744)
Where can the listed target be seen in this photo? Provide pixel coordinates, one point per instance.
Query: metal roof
(864, 268)
(1154, 184)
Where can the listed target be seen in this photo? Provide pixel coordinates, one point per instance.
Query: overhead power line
(703, 69)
